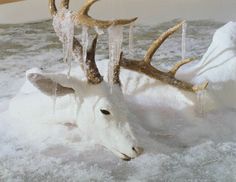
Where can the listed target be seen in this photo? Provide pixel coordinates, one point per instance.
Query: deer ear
(48, 86)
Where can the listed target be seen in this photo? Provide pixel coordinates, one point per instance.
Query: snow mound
(218, 66)
(219, 62)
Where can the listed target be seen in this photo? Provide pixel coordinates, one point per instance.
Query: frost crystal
(115, 48)
(64, 27)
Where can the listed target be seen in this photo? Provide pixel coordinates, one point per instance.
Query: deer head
(102, 115)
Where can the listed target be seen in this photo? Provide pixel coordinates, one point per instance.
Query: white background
(148, 11)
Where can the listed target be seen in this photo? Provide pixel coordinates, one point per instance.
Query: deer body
(33, 105)
(85, 99)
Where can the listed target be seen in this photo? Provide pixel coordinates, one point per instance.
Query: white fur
(81, 108)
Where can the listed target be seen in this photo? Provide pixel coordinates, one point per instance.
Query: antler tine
(178, 65)
(116, 72)
(83, 18)
(52, 7)
(198, 88)
(65, 4)
(92, 72)
(156, 44)
(90, 67)
(92, 49)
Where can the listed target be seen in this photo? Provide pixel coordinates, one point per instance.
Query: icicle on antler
(82, 17)
(90, 67)
(144, 66)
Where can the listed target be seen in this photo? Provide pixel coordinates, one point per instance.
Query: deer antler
(52, 7)
(65, 4)
(90, 67)
(144, 66)
(91, 70)
(83, 18)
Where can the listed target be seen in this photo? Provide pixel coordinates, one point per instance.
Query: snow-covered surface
(218, 66)
(219, 58)
(179, 146)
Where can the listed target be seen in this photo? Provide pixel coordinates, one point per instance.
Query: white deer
(88, 103)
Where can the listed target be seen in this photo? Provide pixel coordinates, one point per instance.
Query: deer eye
(105, 112)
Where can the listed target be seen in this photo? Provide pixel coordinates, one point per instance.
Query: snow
(221, 52)
(218, 66)
(179, 145)
(174, 150)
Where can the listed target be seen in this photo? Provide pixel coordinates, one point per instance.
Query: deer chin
(124, 148)
(129, 153)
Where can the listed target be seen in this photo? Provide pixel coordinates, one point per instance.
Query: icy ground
(178, 147)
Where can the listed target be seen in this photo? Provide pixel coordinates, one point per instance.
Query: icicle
(184, 30)
(201, 98)
(115, 42)
(54, 98)
(99, 31)
(69, 70)
(64, 28)
(131, 40)
(85, 42)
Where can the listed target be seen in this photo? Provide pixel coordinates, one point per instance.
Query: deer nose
(138, 150)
